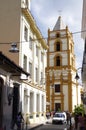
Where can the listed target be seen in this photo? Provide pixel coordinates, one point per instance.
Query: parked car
(59, 117)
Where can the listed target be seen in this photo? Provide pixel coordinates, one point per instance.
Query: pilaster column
(34, 107)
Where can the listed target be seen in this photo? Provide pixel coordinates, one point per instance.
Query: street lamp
(77, 76)
(83, 97)
(14, 48)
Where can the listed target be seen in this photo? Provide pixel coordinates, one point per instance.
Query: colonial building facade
(10, 85)
(63, 92)
(18, 26)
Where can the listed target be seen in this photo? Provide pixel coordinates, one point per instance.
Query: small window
(36, 50)
(36, 74)
(30, 69)
(57, 88)
(25, 33)
(25, 63)
(57, 35)
(30, 43)
(26, 1)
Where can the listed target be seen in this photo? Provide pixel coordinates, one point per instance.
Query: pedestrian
(19, 120)
(76, 121)
(48, 115)
(81, 122)
(68, 117)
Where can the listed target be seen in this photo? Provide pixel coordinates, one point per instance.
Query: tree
(79, 109)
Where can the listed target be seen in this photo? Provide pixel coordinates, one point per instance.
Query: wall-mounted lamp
(77, 76)
(14, 48)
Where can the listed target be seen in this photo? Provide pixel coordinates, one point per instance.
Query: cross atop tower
(59, 12)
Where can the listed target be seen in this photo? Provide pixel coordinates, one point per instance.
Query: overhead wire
(41, 38)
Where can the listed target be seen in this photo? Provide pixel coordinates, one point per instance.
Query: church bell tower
(60, 71)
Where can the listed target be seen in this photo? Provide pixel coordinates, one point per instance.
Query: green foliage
(59, 110)
(79, 109)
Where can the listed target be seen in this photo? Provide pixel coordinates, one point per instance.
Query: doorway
(57, 106)
(15, 107)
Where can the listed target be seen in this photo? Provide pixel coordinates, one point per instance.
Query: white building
(18, 25)
(10, 84)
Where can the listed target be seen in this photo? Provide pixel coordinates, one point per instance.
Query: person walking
(76, 121)
(19, 121)
(81, 122)
(68, 118)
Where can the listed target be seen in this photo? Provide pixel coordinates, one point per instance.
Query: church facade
(63, 91)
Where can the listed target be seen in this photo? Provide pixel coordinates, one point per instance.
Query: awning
(9, 66)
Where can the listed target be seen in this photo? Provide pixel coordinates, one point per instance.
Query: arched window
(58, 61)
(58, 46)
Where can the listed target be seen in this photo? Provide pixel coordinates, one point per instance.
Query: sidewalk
(32, 126)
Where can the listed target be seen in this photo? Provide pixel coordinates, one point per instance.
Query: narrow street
(42, 64)
(53, 127)
(49, 126)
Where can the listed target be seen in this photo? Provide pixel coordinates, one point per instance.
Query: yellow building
(62, 89)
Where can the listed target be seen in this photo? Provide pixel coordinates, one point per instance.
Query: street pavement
(48, 121)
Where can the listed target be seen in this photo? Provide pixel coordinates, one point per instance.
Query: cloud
(46, 13)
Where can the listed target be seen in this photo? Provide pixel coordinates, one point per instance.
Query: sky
(46, 13)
